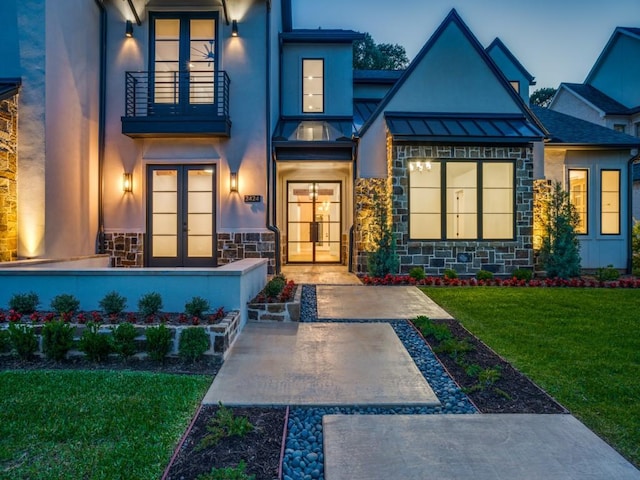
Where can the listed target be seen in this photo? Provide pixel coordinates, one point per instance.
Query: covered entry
(314, 222)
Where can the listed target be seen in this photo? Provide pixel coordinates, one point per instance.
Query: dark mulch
(512, 393)
(259, 449)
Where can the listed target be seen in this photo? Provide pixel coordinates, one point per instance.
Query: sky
(555, 40)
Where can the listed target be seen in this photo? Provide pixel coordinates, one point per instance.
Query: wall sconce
(234, 28)
(127, 182)
(233, 182)
(128, 31)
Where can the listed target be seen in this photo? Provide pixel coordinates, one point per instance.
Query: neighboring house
(610, 95)
(175, 136)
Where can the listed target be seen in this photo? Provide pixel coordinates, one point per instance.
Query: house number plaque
(252, 198)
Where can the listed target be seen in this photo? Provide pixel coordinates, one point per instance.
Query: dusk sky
(556, 40)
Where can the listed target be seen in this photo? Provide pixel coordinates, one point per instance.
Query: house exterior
(168, 135)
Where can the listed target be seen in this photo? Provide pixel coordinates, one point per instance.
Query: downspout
(634, 157)
(99, 246)
(271, 192)
(352, 242)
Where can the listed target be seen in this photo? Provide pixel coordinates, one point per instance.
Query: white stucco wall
(71, 126)
(511, 71)
(244, 59)
(568, 103)
(338, 77)
(370, 90)
(617, 75)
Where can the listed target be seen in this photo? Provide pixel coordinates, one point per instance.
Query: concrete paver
(320, 274)
(375, 302)
(488, 446)
(319, 364)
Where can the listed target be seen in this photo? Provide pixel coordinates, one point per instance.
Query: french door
(181, 216)
(314, 223)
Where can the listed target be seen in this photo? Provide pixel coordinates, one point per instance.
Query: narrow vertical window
(578, 193)
(610, 202)
(312, 85)
(462, 200)
(497, 200)
(425, 219)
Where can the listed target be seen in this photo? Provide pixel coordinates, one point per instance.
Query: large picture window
(579, 195)
(312, 85)
(610, 202)
(469, 200)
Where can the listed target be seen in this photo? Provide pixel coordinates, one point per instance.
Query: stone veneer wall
(126, 249)
(465, 257)
(366, 190)
(8, 179)
(236, 246)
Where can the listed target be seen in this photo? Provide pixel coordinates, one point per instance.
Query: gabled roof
(568, 130)
(595, 97)
(497, 43)
(9, 87)
(629, 31)
(320, 35)
(454, 18)
(462, 128)
(387, 77)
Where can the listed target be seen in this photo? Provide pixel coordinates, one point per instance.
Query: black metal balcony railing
(177, 93)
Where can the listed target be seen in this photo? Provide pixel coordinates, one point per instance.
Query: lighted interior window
(620, 127)
(578, 193)
(425, 219)
(167, 60)
(610, 202)
(462, 200)
(312, 131)
(497, 200)
(313, 85)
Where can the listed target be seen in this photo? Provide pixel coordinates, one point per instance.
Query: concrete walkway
(320, 364)
(320, 274)
(375, 302)
(481, 447)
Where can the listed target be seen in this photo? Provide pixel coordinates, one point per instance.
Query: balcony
(176, 104)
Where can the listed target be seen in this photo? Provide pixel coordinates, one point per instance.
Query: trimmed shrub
(635, 247)
(24, 303)
(450, 273)
(5, 341)
(417, 273)
(193, 343)
(113, 303)
(65, 304)
(95, 345)
(274, 287)
(23, 340)
(124, 340)
(607, 274)
(197, 307)
(150, 304)
(57, 339)
(158, 342)
(484, 275)
(522, 274)
(428, 328)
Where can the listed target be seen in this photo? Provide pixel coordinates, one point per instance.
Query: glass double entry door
(314, 221)
(180, 216)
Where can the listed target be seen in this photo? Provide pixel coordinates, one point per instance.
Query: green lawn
(93, 425)
(581, 345)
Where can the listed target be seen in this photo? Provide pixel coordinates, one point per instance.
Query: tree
(369, 55)
(542, 96)
(559, 253)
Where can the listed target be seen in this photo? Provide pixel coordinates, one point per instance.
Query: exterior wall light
(234, 28)
(420, 166)
(127, 182)
(233, 182)
(128, 31)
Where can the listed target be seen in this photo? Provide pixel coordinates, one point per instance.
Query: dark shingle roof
(9, 87)
(604, 102)
(565, 129)
(321, 35)
(377, 76)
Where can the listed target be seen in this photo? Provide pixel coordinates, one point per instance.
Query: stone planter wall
(221, 335)
(277, 312)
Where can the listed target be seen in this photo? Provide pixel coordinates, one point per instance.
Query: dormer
(317, 73)
(518, 76)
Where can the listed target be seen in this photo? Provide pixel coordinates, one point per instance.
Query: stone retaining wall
(237, 246)
(221, 335)
(277, 312)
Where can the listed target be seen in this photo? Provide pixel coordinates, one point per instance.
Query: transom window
(453, 200)
(610, 202)
(579, 196)
(312, 85)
